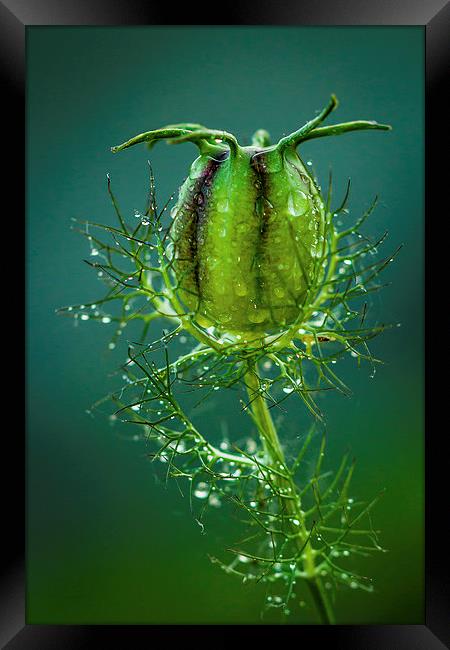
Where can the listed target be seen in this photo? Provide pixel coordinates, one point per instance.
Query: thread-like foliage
(299, 520)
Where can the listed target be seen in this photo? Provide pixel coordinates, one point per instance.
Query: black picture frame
(434, 16)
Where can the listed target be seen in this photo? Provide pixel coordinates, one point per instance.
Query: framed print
(225, 340)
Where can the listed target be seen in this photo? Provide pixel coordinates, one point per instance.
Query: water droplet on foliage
(201, 491)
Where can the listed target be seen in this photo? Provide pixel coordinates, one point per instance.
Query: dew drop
(223, 205)
(241, 289)
(214, 501)
(257, 315)
(201, 491)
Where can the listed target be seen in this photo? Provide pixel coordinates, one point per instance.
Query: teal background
(107, 542)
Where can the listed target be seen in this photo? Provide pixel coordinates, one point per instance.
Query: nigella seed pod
(248, 231)
(245, 255)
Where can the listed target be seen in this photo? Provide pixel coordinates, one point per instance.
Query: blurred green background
(107, 542)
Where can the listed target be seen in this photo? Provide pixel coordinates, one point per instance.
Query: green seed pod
(248, 226)
(248, 231)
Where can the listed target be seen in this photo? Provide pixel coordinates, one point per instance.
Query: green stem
(346, 127)
(275, 455)
(296, 137)
(201, 137)
(321, 600)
